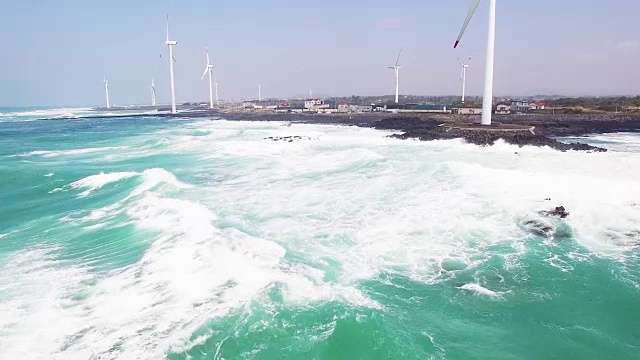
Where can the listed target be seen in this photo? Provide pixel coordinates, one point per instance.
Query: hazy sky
(57, 51)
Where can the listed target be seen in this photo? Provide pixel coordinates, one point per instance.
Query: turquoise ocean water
(150, 238)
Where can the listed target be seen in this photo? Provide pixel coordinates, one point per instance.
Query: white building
(503, 109)
(519, 106)
(467, 111)
(360, 108)
(537, 105)
(313, 103)
(343, 107)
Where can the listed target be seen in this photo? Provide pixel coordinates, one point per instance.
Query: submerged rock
(559, 212)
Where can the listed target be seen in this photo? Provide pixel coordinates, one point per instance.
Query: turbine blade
(460, 61)
(167, 26)
(205, 72)
(472, 11)
(174, 59)
(398, 60)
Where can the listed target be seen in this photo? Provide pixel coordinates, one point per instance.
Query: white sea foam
(191, 273)
(3, 235)
(67, 113)
(94, 182)
(352, 205)
(479, 289)
(46, 113)
(54, 153)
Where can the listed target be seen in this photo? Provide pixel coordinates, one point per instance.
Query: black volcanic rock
(559, 212)
(432, 129)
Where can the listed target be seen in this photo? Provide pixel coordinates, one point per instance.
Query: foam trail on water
(54, 153)
(479, 289)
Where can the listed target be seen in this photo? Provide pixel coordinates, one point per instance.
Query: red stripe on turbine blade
(456, 44)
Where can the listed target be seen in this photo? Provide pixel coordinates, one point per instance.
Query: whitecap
(479, 289)
(94, 182)
(54, 153)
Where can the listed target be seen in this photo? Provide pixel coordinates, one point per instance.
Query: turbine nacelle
(171, 42)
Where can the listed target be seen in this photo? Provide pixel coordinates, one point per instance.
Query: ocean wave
(192, 272)
(94, 182)
(313, 221)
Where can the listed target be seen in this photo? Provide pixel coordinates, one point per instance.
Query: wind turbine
(208, 69)
(463, 76)
(487, 101)
(153, 93)
(396, 70)
(106, 91)
(170, 44)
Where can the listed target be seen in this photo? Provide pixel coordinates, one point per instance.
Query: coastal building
(537, 105)
(290, 108)
(467, 110)
(313, 103)
(360, 108)
(343, 107)
(417, 108)
(251, 104)
(519, 106)
(503, 108)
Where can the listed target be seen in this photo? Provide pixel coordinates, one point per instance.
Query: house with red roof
(537, 105)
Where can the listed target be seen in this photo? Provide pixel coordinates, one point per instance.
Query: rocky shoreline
(534, 130)
(521, 130)
(426, 130)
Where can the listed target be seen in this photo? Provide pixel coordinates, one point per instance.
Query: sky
(56, 52)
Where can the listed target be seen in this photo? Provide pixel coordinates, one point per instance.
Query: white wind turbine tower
(209, 69)
(463, 76)
(106, 91)
(396, 70)
(170, 45)
(487, 102)
(216, 84)
(153, 93)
